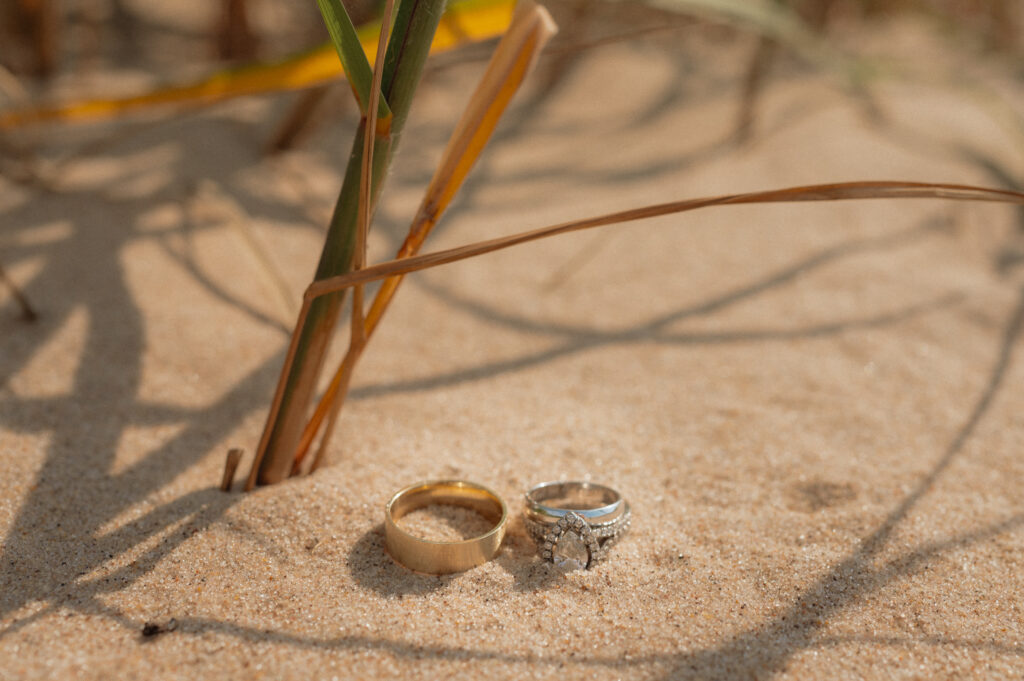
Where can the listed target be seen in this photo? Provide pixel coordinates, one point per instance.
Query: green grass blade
(350, 51)
(415, 24)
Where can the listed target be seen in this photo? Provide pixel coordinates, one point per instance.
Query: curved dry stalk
(393, 271)
(843, 191)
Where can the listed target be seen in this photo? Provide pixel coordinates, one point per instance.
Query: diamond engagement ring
(574, 524)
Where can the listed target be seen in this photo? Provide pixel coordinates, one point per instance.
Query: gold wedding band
(443, 557)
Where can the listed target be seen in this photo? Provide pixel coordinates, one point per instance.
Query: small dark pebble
(150, 629)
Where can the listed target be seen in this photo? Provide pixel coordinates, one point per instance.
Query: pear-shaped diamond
(571, 552)
(570, 544)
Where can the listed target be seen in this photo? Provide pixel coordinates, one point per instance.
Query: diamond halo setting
(575, 523)
(570, 543)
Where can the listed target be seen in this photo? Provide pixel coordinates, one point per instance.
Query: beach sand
(814, 410)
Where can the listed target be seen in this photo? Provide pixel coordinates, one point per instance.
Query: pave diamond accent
(548, 535)
(573, 544)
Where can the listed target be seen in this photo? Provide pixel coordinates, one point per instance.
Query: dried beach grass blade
(822, 192)
(11, 87)
(374, 117)
(468, 21)
(412, 35)
(279, 394)
(300, 120)
(28, 313)
(513, 58)
(358, 333)
(297, 380)
(230, 466)
(371, 132)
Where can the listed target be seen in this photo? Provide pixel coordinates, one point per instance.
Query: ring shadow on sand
(372, 567)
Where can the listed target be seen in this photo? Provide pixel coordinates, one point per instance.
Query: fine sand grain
(814, 410)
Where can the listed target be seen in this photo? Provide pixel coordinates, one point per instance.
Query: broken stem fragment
(28, 313)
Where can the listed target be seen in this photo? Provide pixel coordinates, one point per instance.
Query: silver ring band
(549, 501)
(555, 519)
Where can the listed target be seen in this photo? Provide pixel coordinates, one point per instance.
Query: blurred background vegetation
(42, 38)
(52, 52)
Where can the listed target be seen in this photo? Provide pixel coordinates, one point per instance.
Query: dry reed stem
(38, 21)
(275, 404)
(415, 27)
(365, 208)
(343, 379)
(11, 86)
(358, 333)
(28, 313)
(513, 59)
(369, 136)
(823, 192)
(393, 270)
(230, 466)
(233, 33)
(299, 121)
